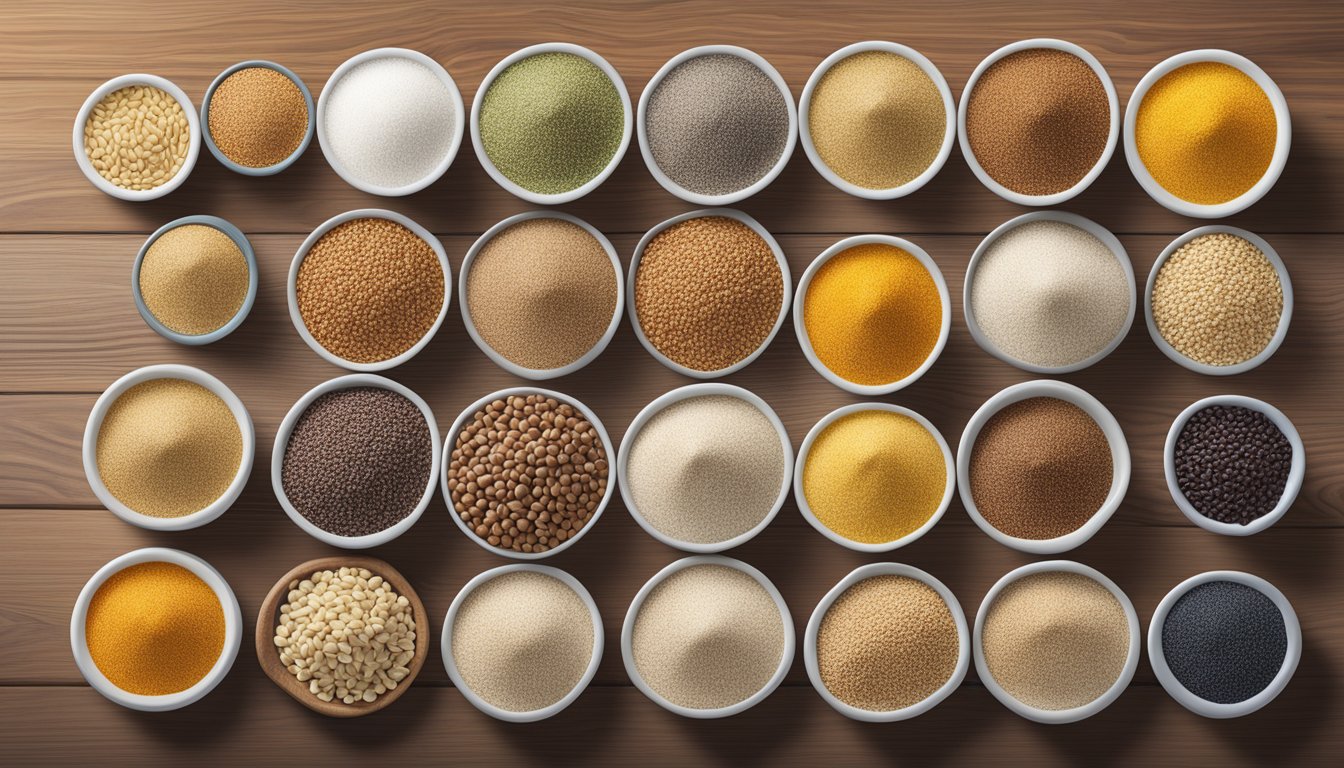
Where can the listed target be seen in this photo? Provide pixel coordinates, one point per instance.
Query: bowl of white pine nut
(137, 137)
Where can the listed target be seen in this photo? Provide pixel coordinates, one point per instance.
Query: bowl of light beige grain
(90, 166)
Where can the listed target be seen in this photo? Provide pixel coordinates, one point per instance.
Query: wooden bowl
(269, 657)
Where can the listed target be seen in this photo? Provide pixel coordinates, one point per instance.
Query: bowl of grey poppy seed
(356, 460)
(1234, 464)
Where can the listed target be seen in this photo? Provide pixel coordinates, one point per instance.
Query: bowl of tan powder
(168, 447)
(137, 137)
(257, 117)
(195, 279)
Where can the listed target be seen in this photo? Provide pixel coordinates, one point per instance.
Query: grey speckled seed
(1224, 641)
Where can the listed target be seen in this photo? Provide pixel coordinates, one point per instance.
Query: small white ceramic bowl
(633, 309)
(1058, 716)
(233, 631)
(628, 634)
(95, 424)
(1120, 462)
(367, 213)
(1290, 490)
(867, 572)
(536, 374)
(193, 143)
(805, 110)
(450, 444)
(1112, 138)
(250, 256)
(800, 327)
(858, 546)
(450, 661)
(1201, 706)
(508, 184)
(696, 198)
(1073, 219)
(1279, 334)
(454, 96)
(685, 393)
(269, 170)
(1281, 144)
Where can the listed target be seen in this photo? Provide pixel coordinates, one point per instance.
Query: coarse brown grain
(708, 292)
(527, 472)
(369, 290)
(194, 279)
(257, 117)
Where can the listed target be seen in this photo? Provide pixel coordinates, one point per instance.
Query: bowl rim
(193, 142)
(1285, 318)
(296, 317)
(696, 198)
(929, 69)
(268, 169)
(1112, 135)
(1282, 141)
(863, 573)
(510, 186)
(1056, 717)
(680, 394)
(628, 632)
(805, 341)
(449, 442)
(1158, 660)
(633, 272)
(249, 255)
(1121, 464)
(94, 425)
(539, 374)
(1296, 472)
(455, 98)
(1089, 226)
(286, 430)
(800, 498)
(450, 661)
(233, 630)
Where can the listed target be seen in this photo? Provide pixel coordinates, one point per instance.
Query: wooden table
(68, 328)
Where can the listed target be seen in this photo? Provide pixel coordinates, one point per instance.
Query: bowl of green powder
(551, 122)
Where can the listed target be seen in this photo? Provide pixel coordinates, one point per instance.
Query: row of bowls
(956, 123)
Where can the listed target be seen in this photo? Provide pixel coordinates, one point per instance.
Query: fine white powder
(389, 121)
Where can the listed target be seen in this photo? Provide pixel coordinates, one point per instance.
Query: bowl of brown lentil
(257, 118)
(1218, 300)
(196, 285)
(127, 155)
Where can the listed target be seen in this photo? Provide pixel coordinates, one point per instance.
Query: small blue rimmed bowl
(267, 170)
(236, 235)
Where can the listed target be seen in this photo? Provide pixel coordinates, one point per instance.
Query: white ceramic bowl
(633, 310)
(367, 213)
(233, 631)
(450, 443)
(867, 572)
(454, 96)
(1281, 144)
(1112, 139)
(1073, 219)
(1290, 490)
(540, 198)
(1201, 706)
(291, 419)
(858, 546)
(1120, 462)
(95, 424)
(537, 374)
(193, 143)
(800, 327)
(450, 662)
(805, 110)
(1279, 334)
(1057, 716)
(628, 634)
(676, 396)
(249, 256)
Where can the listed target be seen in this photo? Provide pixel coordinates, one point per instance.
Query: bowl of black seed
(1224, 643)
(1234, 464)
(356, 460)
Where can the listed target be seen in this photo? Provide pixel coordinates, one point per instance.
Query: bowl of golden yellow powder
(155, 629)
(195, 279)
(168, 447)
(1207, 133)
(137, 137)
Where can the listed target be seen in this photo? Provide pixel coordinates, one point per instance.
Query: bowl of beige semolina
(137, 137)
